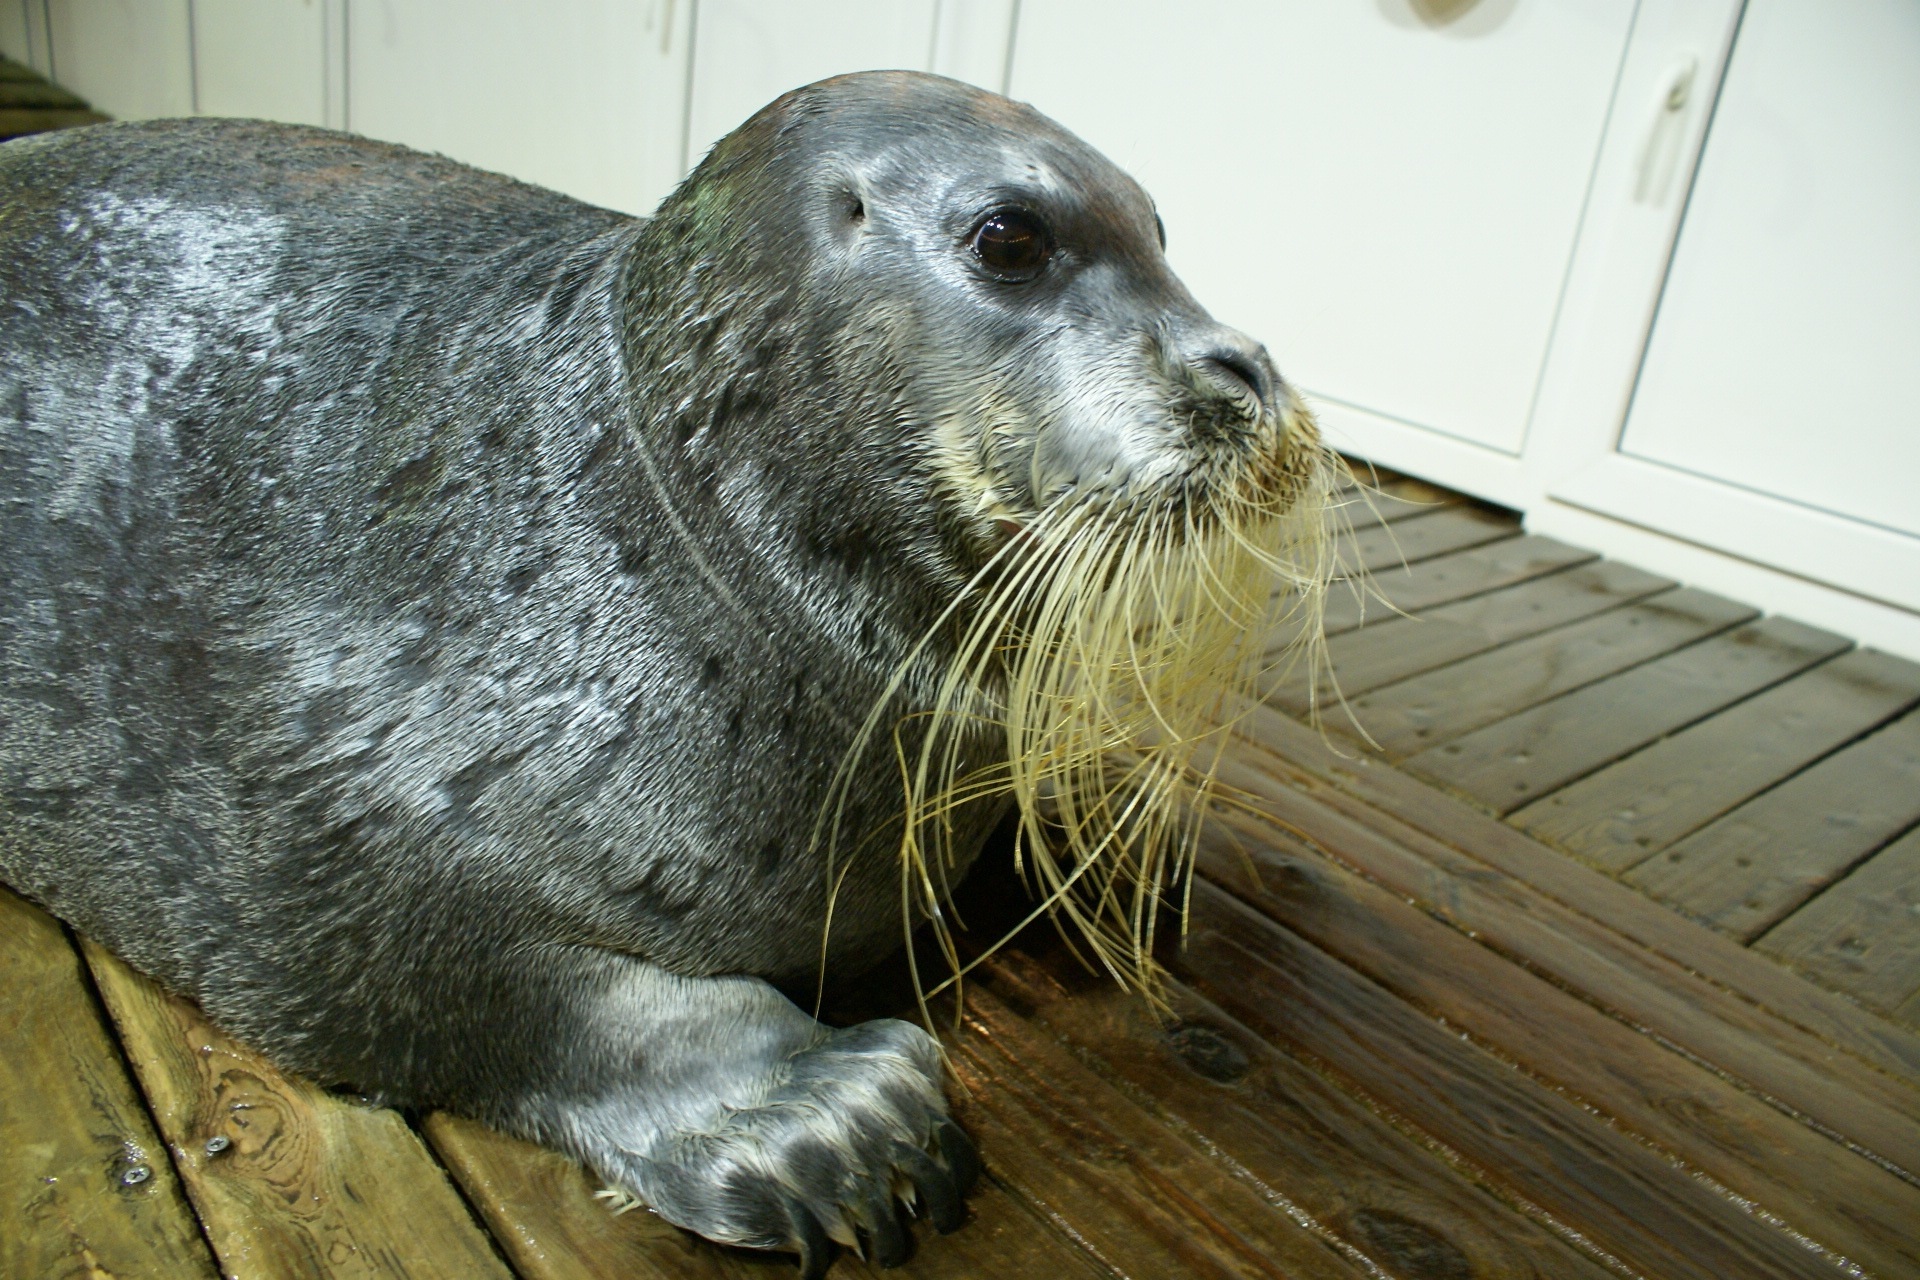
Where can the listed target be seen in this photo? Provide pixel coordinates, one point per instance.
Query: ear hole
(856, 211)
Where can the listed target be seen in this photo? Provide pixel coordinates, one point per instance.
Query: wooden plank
(1421, 537)
(1863, 934)
(1745, 872)
(36, 93)
(1428, 709)
(1386, 800)
(1851, 1205)
(1396, 648)
(1629, 811)
(543, 1211)
(1327, 1155)
(1797, 1073)
(1139, 1199)
(1370, 503)
(86, 1188)
(1517, 760)
(310, 1184)
(1385, 481)
(1626, 1198)
(17, 122)
(1443, 579)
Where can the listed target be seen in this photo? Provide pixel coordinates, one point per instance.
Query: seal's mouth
(1227, 463)
(1115, 637)
(1160, 426)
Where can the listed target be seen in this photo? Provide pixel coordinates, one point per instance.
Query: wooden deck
(1756, 774)
(1434, 1019)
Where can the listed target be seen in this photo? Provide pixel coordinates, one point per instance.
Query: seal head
(968, 280)
(957, 321)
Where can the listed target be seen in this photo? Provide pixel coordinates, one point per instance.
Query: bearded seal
(475, 644)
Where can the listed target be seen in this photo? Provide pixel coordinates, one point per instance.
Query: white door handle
(1660, 157)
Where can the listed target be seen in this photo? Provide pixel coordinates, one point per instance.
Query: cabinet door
(129, 58)
(1774, 416)
(748, 52)
(586, 96)
(1386, 192)
(268, 60)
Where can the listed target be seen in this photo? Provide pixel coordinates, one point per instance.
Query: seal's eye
(1013, 244)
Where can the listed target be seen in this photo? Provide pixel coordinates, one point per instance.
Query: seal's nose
(1235, 365)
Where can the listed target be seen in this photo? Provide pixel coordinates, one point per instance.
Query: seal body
(436, 610)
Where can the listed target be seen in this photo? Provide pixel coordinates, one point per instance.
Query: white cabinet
(129, 58)
(269, 60)
(1762, 435)
(587, 96)
(749, 52)
(1781, 366)
(1386, 193)
(1788, 338)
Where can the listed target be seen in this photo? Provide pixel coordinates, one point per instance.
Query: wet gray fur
(435, 608)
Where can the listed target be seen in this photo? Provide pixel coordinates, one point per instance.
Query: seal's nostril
(1233, 367)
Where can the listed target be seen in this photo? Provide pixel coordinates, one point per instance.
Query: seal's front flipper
(730, 1112)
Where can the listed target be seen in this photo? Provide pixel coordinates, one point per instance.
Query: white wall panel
(973, 41)
(16, 39)
(265, 59)
(1386, 193)
(1784, 355)
(749, 52)
(132, 59)
(587, 96)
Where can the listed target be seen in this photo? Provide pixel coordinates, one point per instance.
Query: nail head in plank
(1328, 1154)
(86, 1188)
(1633, 809)
(1435, 706)
(1863, 934)
(1849, 1203)
(1517, 760)
(310, 1184)
(1624, 1197)
(1744, 872)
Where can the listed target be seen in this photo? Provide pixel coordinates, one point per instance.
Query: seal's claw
(887, 1241)
(810, 1238)
(935, 1187)
(961, 1156)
